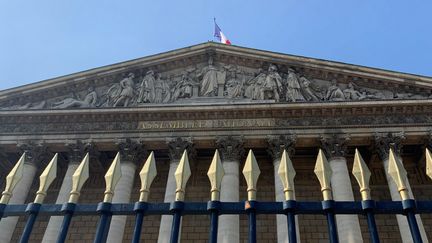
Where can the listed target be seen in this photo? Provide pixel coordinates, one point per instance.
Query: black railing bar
(200, 208)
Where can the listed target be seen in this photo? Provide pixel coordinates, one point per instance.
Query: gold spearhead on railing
(79, 177)
(251, 173)
(112, 177)
(46, 178)
(362, 174)
(399, 175)
(215, 175)
(323, 172)
(182, 175)
(147, 175)
(286, 174)
(12, 179)
(428, 163)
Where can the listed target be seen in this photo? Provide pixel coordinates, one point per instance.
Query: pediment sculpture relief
(214, 81)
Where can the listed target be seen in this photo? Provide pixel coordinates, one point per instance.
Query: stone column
(175, 149)
(231, 151)
(335, 148)
(76, 152)
(276, 145)
(383, 143)
(36, 154)
(131, 154)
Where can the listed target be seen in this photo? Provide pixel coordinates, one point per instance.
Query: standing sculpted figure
(127, 91)
(162, 90)
(293, 92)
(272, 83)
(334, 93)
(147, 88)
(89, 101)
(253, 91)
(209, 82)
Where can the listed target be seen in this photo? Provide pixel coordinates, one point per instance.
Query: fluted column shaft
(335, 146)
(231, 150)
(348, 225)
(7, 225)
(176, 147)
(276, 145)
(122, 194)
(383, 143)
(53, 227)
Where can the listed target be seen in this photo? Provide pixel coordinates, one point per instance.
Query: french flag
(221, 37)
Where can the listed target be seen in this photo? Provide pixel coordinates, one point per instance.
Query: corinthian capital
(385, 141)
(335, 145)
(37, 154)
(176, 146)
(230, 148)
(277, 144)
(78, 149)
(132, 151)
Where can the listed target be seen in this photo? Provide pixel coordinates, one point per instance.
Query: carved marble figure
(308, 93)
(352, 94)
(293, 88)
(272, 84)
(184, 87)
(253, 91)
(234, 84)
(162, 90)
(147, 88)
(209, 82)
(334, 92)
(89, 101)
(127, 91)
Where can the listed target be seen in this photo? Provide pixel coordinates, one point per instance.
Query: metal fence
(179, 208)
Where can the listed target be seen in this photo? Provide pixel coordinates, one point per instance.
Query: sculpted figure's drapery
(213, 81)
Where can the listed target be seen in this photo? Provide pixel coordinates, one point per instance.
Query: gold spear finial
(251, 173)
(287, 173)
(399, 175)
(79, 177)
(215, 174)
(12, 179)
(182, 175)
(362, 174)
(147, 175)
(428, 163)
(46, 178)
(112, 177)
(323, 172)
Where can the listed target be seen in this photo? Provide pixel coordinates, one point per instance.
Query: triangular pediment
(214, 73)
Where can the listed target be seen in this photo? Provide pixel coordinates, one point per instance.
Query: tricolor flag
(218, 34)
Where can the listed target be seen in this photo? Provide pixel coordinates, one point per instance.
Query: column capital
(132, 150)
(385, 141)
(176, 146)
(77, 149)
(37, 153)
(334, 145)
(276, 145)
(230, 148)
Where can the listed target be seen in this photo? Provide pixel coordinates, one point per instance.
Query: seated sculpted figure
(352, 94)
(183, 89)
(88, 101)
(308, 93)
(334, 93)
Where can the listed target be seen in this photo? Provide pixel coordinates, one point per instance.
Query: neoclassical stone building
(213, 96)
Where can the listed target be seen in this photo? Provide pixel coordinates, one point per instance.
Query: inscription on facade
(200, 124)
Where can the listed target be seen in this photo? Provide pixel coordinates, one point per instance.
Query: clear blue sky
(46, 39)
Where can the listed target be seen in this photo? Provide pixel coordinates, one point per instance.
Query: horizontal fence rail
(214, 208)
